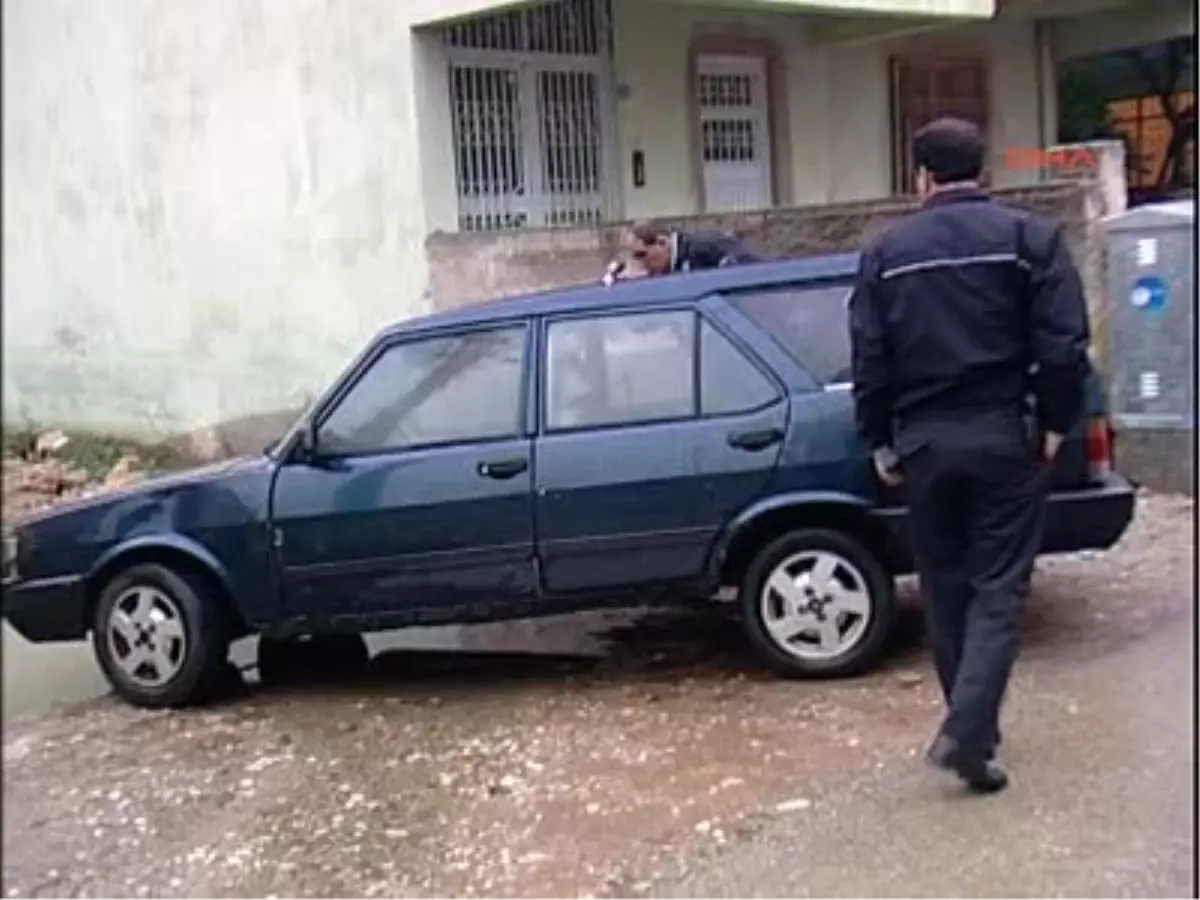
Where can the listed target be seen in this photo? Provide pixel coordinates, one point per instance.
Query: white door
(735, 132)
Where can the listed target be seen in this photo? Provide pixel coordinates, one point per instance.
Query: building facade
(209, 206)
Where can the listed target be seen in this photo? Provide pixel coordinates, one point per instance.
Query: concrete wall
(207, 205)
(467, 268)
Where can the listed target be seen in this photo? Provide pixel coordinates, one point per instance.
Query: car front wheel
(818, 603)
(159, 639)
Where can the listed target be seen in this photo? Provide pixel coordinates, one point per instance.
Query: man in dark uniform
(657, 250)
(960, 312)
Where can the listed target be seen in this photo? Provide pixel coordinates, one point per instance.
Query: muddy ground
(670, 765)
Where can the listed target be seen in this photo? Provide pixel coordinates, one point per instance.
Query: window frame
(359, 370)
(699, 319)
(745, 352)
(731, 298)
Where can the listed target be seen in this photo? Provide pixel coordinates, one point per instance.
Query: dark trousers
(976, 495)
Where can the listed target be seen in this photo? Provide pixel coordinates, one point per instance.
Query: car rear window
(811, 323)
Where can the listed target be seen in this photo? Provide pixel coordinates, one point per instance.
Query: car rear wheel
(303, 658)
(159, 638)
(818, 603)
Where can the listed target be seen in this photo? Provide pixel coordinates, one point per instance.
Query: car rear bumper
(1092, 518)
(47, 609)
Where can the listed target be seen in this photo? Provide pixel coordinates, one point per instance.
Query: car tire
(160, 637)
(818, 603)
(303, 658)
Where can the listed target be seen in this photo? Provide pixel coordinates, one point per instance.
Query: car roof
(637, 291)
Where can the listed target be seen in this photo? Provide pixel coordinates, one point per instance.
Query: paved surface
(672, 766)
(1101, 803)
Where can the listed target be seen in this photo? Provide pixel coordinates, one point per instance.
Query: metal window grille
(531, 95)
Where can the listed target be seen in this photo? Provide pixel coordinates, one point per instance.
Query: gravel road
(670, 766)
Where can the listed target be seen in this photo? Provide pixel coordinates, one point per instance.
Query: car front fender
(160, 544)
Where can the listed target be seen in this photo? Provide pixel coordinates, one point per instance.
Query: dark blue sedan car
(661, 439)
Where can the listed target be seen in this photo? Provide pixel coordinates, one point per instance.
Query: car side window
(432, 391)
(729, 382)
(810, 322)
(620, 369)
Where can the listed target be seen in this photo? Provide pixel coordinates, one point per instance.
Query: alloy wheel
(816, 605)
(147, 637)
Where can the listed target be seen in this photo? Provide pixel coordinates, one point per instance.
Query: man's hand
(886, 467)
(614, 272)
(1051, 443)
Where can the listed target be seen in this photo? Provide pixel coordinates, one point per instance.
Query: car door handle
(502, 468)
(758, 439)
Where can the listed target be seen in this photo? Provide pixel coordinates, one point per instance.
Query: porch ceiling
(846, 30)
(891, 12)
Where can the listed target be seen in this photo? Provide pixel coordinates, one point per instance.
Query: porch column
(1016, 98)
(434, 130)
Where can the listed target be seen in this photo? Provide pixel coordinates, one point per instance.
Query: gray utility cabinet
(1151, 316)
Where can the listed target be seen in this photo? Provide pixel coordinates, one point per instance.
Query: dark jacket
(967, 305)
(706, 250)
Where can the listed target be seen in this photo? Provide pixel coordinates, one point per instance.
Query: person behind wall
(657, 250)
(959, 312)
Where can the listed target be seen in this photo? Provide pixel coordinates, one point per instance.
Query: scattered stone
(909, 679)
(499, 788)
(796, 805)
(50, 442)
(123, 473)
(18, 749)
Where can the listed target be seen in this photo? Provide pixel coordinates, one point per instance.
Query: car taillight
(1099, 446)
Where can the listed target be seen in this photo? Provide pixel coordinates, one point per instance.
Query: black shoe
(983, 776)
(989, 778)
(991, 754)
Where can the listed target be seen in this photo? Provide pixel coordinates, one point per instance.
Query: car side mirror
(307, 449)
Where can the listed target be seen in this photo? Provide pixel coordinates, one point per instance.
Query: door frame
(734, 47)
(708, 310)
(901, 115)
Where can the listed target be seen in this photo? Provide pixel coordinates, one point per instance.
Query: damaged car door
(411, 498)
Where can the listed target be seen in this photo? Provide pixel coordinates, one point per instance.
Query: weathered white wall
(207, 205)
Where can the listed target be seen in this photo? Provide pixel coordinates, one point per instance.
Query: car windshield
(811, 323)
